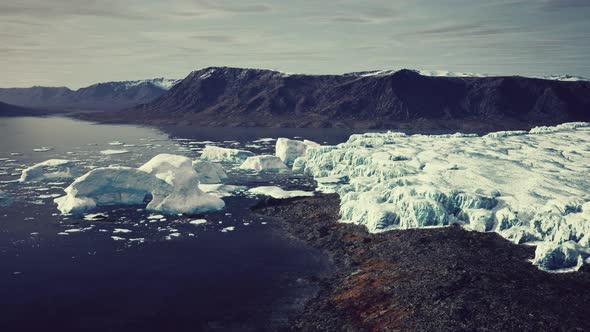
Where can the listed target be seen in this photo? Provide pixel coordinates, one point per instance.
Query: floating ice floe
(95, 216)
(113, 152)
(169, 180)
(264, 140)
(264, 163)
(116, 143)
(49, 170)
(209, 172)
(215, 153)
(289, 150)
(528, 187)
(276, 192)
(42, 149)
(220, 189)
(198, 222)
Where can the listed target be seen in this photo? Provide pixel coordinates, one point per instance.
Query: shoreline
(440, 279)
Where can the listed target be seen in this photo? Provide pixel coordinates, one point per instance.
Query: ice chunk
(289, 150)
(186, 197)
(42, 149)
(209, 172)
(198, 222)
(215, 153)
(263, 163)
(551, 256)
(265, 140)
(276, 192)
(95, 216)
(49, 170)
(112, 185)
(221, 190)
(113, 152)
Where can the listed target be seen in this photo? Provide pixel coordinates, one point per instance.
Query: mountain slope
(13, 110)
(253, 97)
(101, 96)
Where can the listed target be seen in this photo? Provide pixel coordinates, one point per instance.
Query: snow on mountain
(162, 83)
(445, 73)
(100, 96)
(526, 186)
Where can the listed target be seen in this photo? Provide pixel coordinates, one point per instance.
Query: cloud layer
(79, 42)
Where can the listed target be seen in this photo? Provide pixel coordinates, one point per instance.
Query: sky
(77, 43)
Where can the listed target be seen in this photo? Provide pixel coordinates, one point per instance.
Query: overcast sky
(80, 42)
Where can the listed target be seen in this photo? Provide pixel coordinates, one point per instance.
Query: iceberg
(208, 172)
(52, 169)
(529, 187)
(569, 255)
(109, 186)
(279, 193)
(169, 180)
(263, 163)
(288, 149)
(216, 153)
(186, 197)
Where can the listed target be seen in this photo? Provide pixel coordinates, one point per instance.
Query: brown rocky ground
(441, 279)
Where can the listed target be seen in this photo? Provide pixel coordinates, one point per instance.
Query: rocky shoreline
(438, 279)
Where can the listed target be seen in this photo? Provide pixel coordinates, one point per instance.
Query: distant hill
(102, 96)
(221, 96)
(13, 110)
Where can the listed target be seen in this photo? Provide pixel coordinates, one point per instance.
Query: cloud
(56, 9)
(222, 39)
(368, 16)
(565, 4)
(233, 7)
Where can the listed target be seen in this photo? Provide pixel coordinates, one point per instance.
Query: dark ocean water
(165, 275)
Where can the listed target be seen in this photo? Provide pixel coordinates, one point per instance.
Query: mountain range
(242, 97)
(13, 110)
(222, 96)
(98, 97)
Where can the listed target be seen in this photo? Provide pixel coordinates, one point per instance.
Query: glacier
(529, 187)
(169, 180)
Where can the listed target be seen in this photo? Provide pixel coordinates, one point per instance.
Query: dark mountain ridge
(13, 110)
(222, 96)
(102, 96)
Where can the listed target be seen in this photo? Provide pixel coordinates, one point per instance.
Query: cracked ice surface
(527, 186)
